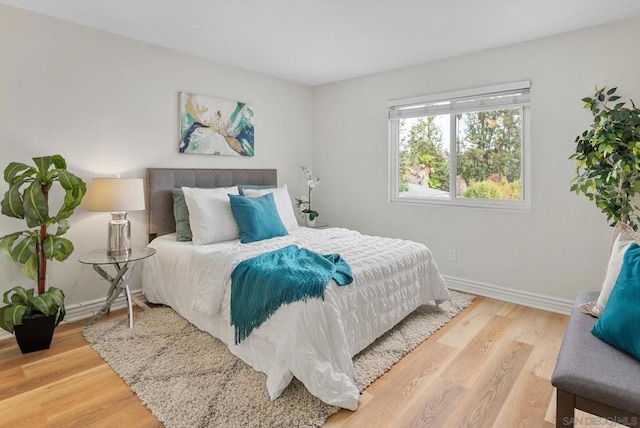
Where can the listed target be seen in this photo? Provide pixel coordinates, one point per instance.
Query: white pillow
(626, 236)
(283, 204)
(210, 214)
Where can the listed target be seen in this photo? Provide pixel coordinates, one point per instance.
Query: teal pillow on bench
(618, 324)
(257, 218)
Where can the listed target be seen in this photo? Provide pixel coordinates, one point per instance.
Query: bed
(313, 340)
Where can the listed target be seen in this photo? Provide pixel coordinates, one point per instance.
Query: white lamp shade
(115, 194)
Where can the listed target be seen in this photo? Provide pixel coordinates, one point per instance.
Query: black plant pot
(35, 333)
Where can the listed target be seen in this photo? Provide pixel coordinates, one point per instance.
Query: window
(467, 148)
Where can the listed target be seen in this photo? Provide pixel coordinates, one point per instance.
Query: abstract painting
(215, 126)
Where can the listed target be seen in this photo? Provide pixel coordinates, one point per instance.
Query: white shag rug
(188, 378)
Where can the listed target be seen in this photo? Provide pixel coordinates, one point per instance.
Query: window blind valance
(489, 98)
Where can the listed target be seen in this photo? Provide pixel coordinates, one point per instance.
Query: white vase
(308, 222)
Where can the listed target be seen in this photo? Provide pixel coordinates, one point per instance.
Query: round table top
(100, 257)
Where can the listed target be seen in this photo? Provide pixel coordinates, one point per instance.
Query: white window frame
(476, 99)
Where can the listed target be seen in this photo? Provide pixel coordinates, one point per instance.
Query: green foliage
(483, 190)
(608, 157)
(490, 189)
(513, 190)
(21, 303)
(28, 199)
(492, 144)
(422, 156)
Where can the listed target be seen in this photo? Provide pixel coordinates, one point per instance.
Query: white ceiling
(314, 42)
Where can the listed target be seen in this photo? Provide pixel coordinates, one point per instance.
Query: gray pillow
(181, 214)
(241, 187)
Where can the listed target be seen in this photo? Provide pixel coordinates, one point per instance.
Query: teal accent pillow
(257, 218)
(618, 324)
(181, 214)
(241, 187)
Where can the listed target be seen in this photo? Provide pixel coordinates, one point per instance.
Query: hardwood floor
(490, 366)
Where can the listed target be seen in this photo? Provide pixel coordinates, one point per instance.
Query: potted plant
(304, 204)
(32, 318)
(608, 157)
(28, 199)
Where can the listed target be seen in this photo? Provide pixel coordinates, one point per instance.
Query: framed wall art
(215, 126)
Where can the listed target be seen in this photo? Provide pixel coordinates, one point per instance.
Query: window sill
(516, 206)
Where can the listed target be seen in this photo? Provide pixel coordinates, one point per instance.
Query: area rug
(188, 378)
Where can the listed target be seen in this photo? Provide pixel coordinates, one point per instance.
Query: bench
(593, 376)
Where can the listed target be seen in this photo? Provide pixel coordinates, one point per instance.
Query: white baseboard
(525, 298)
(85, 310)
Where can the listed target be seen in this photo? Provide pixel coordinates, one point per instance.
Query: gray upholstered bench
(593, 376)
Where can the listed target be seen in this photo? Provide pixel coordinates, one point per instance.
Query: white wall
(561, 246)
(109, 105)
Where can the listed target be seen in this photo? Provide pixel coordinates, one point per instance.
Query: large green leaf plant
(28, 199)
(21, 302)
(608, 157)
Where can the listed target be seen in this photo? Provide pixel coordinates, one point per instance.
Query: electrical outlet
(453, 256)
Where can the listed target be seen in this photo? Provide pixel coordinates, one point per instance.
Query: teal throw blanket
(260, 285)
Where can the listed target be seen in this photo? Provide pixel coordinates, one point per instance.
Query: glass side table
(125, 265)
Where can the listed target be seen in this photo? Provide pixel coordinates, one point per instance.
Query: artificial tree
(608, 157)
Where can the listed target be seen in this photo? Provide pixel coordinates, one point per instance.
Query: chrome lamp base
(119, 243)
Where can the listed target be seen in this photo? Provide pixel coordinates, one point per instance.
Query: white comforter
(313, 340)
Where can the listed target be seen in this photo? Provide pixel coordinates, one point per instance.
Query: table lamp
(117, 195)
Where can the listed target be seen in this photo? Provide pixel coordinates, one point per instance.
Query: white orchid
(304, 204)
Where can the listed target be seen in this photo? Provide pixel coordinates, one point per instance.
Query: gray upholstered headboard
(160, 181)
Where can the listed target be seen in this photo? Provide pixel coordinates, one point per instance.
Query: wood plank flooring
(489, 367)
